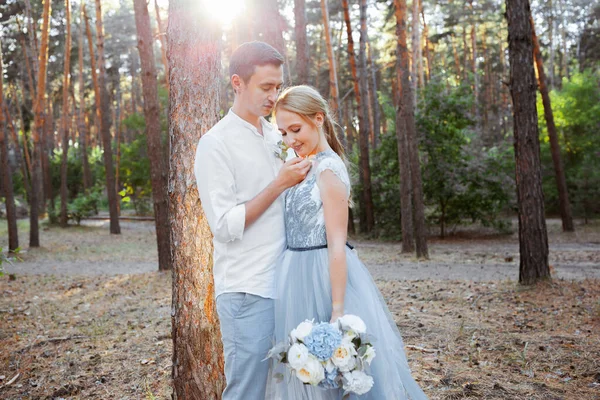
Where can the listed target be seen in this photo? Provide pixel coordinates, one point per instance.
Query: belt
(323, 246)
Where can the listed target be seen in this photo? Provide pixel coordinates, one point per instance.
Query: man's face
(259, 94)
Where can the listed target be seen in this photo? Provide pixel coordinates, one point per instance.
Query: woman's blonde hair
(307, 102)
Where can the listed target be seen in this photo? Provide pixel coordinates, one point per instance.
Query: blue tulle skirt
(304, 292)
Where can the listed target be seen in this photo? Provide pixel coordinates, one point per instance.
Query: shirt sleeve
(213, 168)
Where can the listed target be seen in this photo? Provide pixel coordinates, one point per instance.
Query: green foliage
(84, 205)
(461, 182)
(576, 109)
(134, 172)
(75, 170)
(4, 259)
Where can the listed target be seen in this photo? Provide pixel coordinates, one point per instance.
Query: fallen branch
(422, 349)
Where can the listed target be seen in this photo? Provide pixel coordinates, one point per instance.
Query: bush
(84, 205)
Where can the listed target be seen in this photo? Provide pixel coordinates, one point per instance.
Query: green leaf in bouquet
(278, 377)
(362, 350)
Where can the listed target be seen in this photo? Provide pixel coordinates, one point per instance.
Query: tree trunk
(406, 121)
(83, 134)
(302, 57)
(402, 79)
(533, 237)
(194, 57)
(552, 45)
(26, 150)
(158, 168)
(559, 171)
(334, 99)
(474, 69)
(415, 44)
(367, 216)
(48, 144)
(20, 161)
(6, 174)
(65, 119)
(163, 42)
(38, 131)
(459, 73)
(426, 39)
(105, 126)
(374, 99)
(97, 97)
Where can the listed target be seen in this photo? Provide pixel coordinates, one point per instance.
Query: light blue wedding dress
(304, 292)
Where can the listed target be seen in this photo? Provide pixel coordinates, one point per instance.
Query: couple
(280, 253)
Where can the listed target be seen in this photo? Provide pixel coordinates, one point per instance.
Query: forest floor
(87, 316)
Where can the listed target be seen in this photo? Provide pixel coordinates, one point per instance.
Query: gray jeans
(247, 323)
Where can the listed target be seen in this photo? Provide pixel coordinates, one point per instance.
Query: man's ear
(236, 83)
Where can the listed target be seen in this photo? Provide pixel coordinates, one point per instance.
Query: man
(240, 181)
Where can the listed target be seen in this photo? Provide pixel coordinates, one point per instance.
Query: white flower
(357, 382)
(311, 372)
(329, 366)
(297, 355)
(343, 356)
(369, 355)
(353, 323)
(302, 330)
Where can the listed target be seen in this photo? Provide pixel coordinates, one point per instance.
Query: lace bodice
(304, 219)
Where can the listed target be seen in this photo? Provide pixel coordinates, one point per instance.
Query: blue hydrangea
(323, 340)
(330, 380)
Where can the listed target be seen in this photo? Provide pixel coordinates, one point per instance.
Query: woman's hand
(337, 311)
(335, 315)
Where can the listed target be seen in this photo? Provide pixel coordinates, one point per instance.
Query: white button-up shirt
(234, 163)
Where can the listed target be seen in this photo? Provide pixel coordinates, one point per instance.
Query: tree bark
(407, 122)
(426, 40)
(158, 168)
(97, 97)
(374, 99)
(402, 79)
(6, 174)
(47, 145)
(26, 150)
(533, 237)
(415, 44)
(162, 35)
(302, 62)
(20, 160)
(83, 134)
(559, 171)
(334, 99)
(367, 215)
(474, 69)
(194, 56)
(65, 119)
(38, 130)
(105, 126)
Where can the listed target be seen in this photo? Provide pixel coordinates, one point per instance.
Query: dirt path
(88, 317)
(475, 256)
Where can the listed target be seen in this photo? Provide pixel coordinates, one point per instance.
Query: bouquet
(329, 355)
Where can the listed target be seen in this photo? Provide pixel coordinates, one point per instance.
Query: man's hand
(293, 172)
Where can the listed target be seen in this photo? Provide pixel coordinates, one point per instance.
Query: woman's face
(298, 133)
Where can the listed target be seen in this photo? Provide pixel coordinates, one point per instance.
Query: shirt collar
(265, 124)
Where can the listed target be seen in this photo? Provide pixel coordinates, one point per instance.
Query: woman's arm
(335, 208)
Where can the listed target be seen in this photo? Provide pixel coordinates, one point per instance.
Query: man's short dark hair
(249, 55)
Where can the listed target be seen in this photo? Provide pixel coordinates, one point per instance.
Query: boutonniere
(281, 150)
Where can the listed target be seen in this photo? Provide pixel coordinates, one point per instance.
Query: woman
(318, 276)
